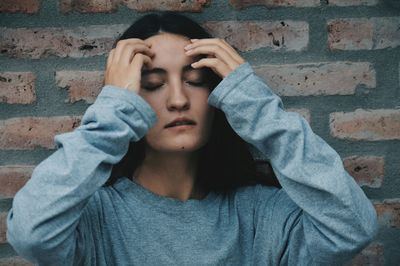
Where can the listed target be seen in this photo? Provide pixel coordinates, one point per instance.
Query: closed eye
(197, 84)
(152, 88)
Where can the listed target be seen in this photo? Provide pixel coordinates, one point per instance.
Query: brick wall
(337, 62)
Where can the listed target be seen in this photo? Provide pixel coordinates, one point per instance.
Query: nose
(178, 100)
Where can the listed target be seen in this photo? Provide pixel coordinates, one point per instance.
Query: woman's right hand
(125, 62)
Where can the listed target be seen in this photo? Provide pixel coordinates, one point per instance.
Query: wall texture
(337, 62)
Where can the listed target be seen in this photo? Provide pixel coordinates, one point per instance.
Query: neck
(170, 174)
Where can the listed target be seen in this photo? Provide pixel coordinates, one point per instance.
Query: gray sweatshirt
(65, 216)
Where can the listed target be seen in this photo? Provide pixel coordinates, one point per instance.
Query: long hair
(225, 162)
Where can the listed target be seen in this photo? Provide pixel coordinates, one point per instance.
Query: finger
(223, 44)
(215, 64)
(147, 61)
(216, 51)
(130, 51)
(134, 41)
(122, 44)
(232, 51)
(110, 58)
(139, 61)
(226, 46)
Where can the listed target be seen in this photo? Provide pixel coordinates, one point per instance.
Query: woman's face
(175, 90)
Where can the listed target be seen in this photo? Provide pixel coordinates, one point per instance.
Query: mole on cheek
(183, 148)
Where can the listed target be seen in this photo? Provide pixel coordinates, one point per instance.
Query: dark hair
(225, 161)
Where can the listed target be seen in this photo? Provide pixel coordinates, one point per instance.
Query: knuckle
(120, 43)
(139, 56)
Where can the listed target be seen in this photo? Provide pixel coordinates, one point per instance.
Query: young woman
(155, 175)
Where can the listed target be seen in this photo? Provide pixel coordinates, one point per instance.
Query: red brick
(170, 5)
(352, 2)
(364, 34)
(62, 42)
(81, 85)
(371, 125)
(20, 6)
(239, 4)
(303, 112)
(13, 178)
(388, 212)
(367, 170)
(15, 261)
(3, 227)
(250, 35)
(17, 87)
(88, 6)
(372, 255)
(338, 78)
(30, 132)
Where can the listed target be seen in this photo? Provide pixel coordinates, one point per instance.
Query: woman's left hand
(224, 58)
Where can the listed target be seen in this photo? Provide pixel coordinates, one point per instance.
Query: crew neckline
(167, 204)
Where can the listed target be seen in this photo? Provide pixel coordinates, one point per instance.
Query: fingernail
(194, 40)
(187, 47)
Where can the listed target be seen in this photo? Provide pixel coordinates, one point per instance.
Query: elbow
(19, 238)
(363, 231)
(26, 241)
(369, 226)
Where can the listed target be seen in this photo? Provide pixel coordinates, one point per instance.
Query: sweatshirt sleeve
(42, 223)
(321, 215)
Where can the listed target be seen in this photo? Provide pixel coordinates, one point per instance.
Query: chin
(185, 147)
(181, 146)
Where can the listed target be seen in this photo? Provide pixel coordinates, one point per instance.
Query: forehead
(168, 41)
(169, 52)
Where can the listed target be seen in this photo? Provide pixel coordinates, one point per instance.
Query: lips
(179, 122)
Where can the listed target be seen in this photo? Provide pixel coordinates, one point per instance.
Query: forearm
(45, 212)
(309, 170)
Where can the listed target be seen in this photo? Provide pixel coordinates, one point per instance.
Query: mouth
(180, 122)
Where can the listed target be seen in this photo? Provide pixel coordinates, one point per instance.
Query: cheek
(154, 102)
(206, 112)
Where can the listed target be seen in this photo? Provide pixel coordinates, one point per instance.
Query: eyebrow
(146, 72)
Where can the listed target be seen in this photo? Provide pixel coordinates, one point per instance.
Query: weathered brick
(352, 2)
(363, 33)
(367, 170)
(15, 261)
(249, 35)
(107, 6)
(81, 85)
(17, 87)
(372, 255)
(13, 178)
(3, 227)
(20, 6)
(388, 212)
(30, 132)
(338, 78)
(62, 42)
(239, 4)
(170, 5)
(303, 112)
(88, 6)
(371, 125)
